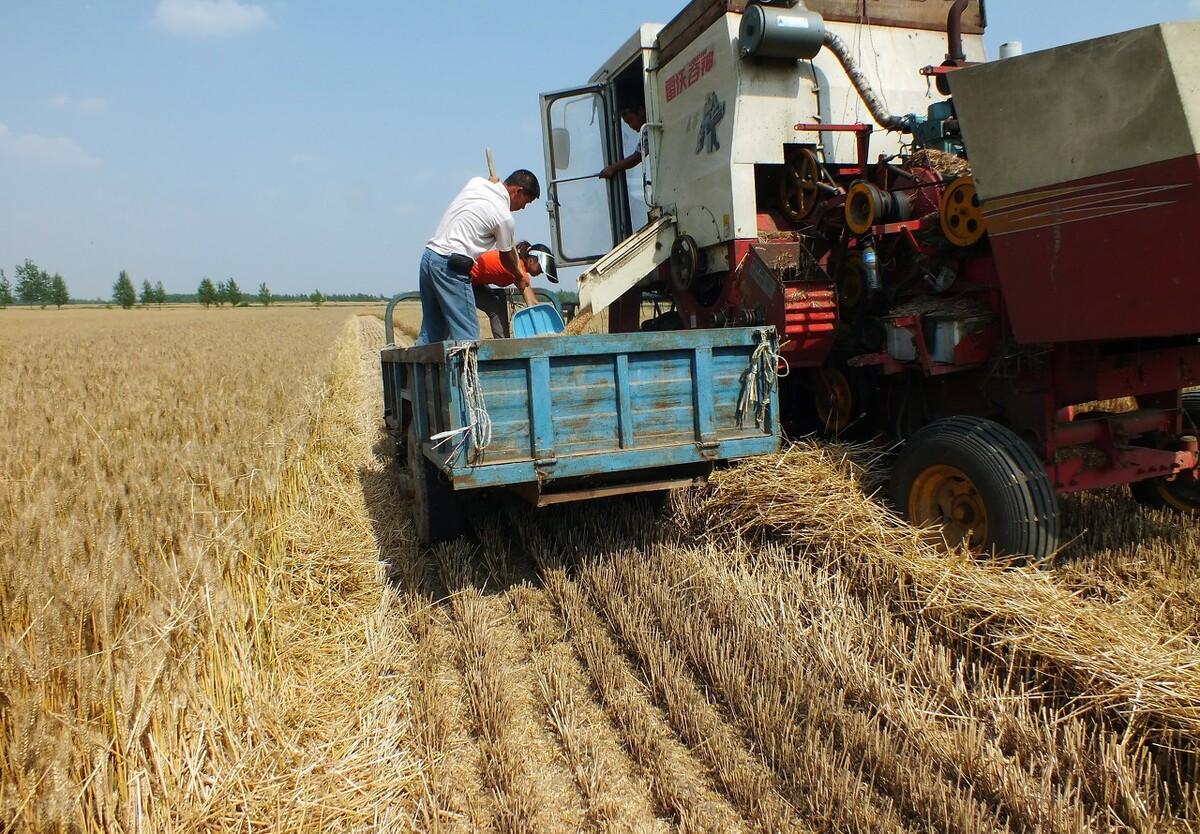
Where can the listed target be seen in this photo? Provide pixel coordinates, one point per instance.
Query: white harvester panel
(721, 115)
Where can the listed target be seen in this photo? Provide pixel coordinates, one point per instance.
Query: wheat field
(214, 618)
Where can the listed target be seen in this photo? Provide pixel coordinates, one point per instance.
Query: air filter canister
(776, 32)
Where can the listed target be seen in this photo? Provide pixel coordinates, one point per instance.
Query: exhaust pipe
(870, 98)
(954, 32)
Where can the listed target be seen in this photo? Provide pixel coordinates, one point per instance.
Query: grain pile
(774, 654)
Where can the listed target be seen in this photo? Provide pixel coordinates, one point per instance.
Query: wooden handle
(491, 165)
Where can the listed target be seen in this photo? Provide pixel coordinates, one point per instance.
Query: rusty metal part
(799, 189)
(961, 217)
(954, 32)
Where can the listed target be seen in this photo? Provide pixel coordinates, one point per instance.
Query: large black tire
(982, 483)
(436, 512)
(1181, 495)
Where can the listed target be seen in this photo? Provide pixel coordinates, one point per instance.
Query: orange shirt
(488, 271)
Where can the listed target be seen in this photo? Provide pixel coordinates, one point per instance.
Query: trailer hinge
(709, 449)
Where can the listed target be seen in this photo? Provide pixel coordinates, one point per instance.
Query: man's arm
(527, 291)
(508, 257)
(631, 161)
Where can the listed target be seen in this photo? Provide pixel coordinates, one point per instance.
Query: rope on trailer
(759, 380)
(478, 430)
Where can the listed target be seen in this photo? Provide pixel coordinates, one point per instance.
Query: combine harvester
(959, 274)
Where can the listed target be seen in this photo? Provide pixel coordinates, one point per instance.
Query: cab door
(587, 214)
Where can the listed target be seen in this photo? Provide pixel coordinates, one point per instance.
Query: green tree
(264, 294)
(206, 294)
(222, 293)
(58, 291)
(30, 288)
(160, 294)
(123, 291)
(233, 293)
(147, 294)
(316, 298)
(6, 296)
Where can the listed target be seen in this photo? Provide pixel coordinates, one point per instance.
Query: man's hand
(493, 178)
(609, 172)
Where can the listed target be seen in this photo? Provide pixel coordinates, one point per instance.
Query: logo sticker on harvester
(714, 111)
(696, 69)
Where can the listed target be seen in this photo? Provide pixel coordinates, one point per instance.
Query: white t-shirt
(478, 219)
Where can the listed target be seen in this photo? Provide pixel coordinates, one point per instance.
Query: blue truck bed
(617, 411)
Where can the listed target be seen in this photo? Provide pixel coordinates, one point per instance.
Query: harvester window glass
(584, 219)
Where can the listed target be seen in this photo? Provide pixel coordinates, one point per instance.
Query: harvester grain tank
(957, 253)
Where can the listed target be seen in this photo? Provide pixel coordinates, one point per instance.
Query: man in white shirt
(478, 219)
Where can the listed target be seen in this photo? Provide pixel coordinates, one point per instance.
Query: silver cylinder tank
(779, 32)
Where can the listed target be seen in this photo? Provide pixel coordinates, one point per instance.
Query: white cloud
(56, 151)
(91, 104)
(203, 18)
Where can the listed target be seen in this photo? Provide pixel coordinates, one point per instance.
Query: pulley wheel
(798, 192)
(685, 263)
(835, 404)
(962, 218)
(862, 207)
(853, 292)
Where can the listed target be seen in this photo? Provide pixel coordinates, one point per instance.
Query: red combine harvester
(962, 280)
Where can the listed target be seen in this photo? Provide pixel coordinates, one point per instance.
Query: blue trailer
(566, 418)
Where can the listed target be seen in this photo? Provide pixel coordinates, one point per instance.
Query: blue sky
(302, 143)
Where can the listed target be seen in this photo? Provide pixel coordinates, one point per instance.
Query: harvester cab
(748, 108)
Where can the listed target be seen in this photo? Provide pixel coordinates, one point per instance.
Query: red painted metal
(1118, 241)
(862, 134)
(1134, 463)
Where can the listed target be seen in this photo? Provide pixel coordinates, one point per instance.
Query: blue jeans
(447, 303)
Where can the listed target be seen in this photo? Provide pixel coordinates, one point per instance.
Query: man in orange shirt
(490, 276)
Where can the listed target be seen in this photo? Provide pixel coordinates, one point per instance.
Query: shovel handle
(491, 165)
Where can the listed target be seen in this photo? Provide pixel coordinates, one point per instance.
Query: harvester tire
(982, 483)
(435, 506)
(1179, 496)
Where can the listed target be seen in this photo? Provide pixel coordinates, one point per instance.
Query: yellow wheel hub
(961, 216)
(835, 400)
(861, 208)
(852, 283)
(944, 496)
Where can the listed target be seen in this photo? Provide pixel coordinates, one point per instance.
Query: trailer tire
(436, 513)
(983, 483)
(1177, 496)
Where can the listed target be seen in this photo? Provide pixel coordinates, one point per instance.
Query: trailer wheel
(435, 506)
(981, 483)
(1180, 495)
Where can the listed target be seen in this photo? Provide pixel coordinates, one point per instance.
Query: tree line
(34, 286)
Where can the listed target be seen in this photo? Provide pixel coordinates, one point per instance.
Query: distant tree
(264, 294)
(6, 296)
(123, 291)
(58, 291)
(316, 298)
(222, 294)
(30, 287)
(206, 294)
(147, 294)
(160, 294)
(233, 293)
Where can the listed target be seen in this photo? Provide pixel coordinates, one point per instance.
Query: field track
(736, 663)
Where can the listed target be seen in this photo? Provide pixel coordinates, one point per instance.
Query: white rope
(759, 381)
(478, 430)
